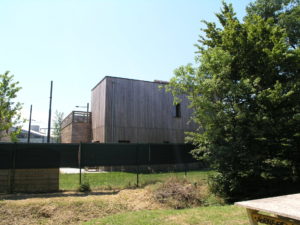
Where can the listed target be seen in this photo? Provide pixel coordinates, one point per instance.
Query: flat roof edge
(155, 81)
(99, 83)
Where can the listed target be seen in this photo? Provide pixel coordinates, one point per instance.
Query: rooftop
(155, 81)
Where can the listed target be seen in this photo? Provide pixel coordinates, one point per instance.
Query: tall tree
(58, 118)
(245, 94)
(10, 115)
(285, 13)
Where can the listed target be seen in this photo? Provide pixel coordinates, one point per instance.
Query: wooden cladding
(137, 111)
(76, 127)
(29, 180)
(76, 117)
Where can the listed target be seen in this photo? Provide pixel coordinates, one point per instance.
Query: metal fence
(133, 158)
(19, 155)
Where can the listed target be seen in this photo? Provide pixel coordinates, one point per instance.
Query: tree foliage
(58, 118)
(245, 93)
(10, 116)
(285, 13)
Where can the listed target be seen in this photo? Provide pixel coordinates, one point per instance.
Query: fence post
(185, 161)
(149, 159)
(185, 169)
(12, 173)
(79, 163)
(137, 165)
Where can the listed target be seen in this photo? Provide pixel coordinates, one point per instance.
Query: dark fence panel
(29, 156)
(68, 155)
(108, 154)
(23, 155)
(166, 154)
(6, 156)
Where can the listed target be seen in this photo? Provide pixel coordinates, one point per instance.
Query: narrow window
(177, 110)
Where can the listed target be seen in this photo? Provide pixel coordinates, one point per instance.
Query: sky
(75, 43)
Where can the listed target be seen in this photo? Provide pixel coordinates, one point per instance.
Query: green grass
(117, 180)
(214, 215)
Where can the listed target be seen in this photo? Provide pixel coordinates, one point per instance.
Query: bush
(244, 92)
(85, 187)
(234, 188)
(178, 193)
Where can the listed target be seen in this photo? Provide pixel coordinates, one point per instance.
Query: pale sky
(76, 43)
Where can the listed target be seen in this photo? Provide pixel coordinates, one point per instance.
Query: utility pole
(29, 127)
(87, 112)
(49, 117)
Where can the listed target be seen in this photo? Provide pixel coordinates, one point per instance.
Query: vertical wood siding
(98, 103)
(137, 111)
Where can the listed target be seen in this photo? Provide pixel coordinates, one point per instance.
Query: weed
(85, 187)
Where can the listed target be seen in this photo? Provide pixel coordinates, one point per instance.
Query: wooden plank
(265, 219)
(286, 206)
(250, 213)
(4, 180)
(31, 180)
(98, 108)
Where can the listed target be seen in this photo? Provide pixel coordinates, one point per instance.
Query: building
(76, 128)
(135, 111)
(36, 136)
(131, 111)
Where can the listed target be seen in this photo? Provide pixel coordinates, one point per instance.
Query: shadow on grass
(23, 196)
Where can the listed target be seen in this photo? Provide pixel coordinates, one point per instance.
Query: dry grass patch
(67, 209)
(180, 193)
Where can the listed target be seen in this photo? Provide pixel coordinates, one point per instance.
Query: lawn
(214, 215)
(120, 180)
(120, 205)
(127, 207)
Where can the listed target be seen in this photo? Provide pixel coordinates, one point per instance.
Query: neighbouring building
(76, 128)
(36, 136)
(130, 111)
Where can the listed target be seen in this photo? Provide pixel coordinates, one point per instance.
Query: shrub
(234, 188)
(85, 187)
(244, 92)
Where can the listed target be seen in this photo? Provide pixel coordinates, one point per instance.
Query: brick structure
(76, 128)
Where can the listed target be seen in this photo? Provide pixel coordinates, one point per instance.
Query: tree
(58, 118)
(285, 13)
(10, 116)
(245, 94)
